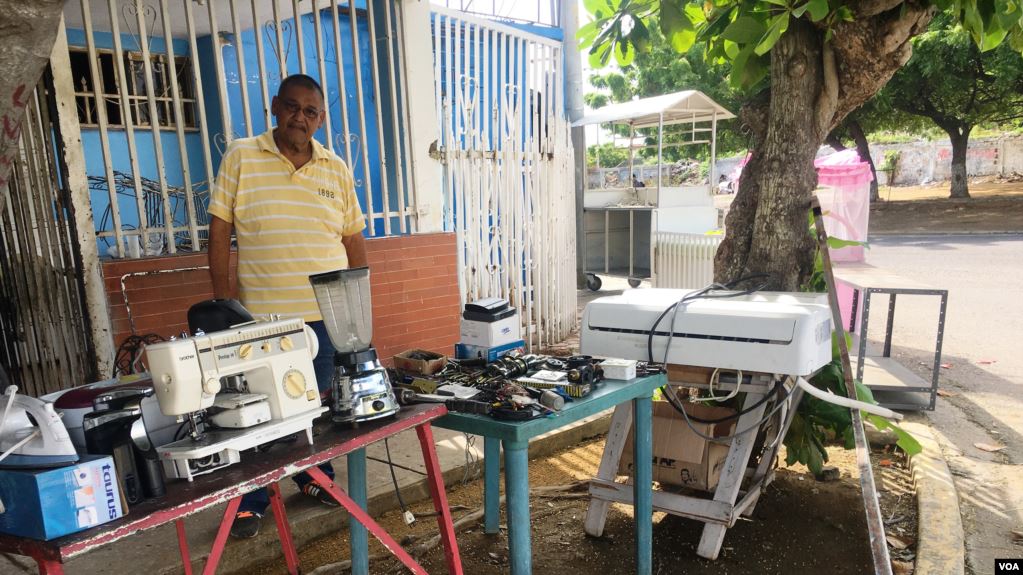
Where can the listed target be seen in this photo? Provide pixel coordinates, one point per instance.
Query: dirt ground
(800, 526)
(995, 205)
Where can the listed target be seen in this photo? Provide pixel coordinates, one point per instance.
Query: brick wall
(414, 285)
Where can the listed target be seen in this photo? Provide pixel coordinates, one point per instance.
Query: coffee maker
(361, 389)
(116, 428)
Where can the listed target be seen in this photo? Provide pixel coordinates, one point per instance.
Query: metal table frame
(866, 292)
(515, 438)
(729, 500)
(228, 485)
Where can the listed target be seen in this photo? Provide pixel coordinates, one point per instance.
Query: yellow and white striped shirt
(289, 223)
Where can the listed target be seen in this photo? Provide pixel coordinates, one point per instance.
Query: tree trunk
(863, 149)
(28, 30)
(767, 230)
(960, 141)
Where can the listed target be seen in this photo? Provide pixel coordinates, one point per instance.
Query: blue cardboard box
(49, 503)
(466, 351)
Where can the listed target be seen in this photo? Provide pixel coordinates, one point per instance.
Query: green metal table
(515, 438)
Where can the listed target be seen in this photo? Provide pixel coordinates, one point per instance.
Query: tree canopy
(660, 70)
(805, 66)
(958, 86)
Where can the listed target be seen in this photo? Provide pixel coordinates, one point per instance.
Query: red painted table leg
(283, 529)
(440, 499)
(48, 567)
(221, 540)
(362, 517)
(186, 559)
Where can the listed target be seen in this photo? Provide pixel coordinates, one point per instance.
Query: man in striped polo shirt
(292, 205)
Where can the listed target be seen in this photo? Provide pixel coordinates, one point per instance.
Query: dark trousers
(257, 501)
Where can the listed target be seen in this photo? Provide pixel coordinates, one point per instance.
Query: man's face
(299, 112)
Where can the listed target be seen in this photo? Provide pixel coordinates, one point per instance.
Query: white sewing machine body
(770, 332)
(268, 364)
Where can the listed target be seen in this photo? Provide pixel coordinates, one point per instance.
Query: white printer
(770, 332)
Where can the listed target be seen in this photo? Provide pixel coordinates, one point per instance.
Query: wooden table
(515, 438)
(266, 470)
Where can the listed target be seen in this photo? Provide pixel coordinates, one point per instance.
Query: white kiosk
(618, 221)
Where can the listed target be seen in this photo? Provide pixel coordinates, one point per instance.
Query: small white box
(491, 334)
(624, 369)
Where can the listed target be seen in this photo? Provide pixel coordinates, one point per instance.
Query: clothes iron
(361, 389)
(117, 428)
(32, 434)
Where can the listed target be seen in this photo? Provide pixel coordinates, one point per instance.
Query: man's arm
(355, 245)
(220, 257)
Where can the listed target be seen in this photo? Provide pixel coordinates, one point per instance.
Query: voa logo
(108, 489)
(1008, 566)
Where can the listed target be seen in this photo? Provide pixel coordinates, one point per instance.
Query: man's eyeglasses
(292, 107)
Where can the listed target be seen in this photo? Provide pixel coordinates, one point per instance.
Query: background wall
(413, 279)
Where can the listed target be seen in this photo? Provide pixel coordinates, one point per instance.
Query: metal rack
(893, 385)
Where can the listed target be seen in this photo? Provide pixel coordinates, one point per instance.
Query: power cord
(406, 515)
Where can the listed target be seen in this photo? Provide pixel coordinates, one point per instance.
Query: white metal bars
(173, 78)
(683, 261)
(42, 322)
(508, 174)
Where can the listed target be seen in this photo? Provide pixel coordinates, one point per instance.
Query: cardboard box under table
(681, 457)
(736, 481)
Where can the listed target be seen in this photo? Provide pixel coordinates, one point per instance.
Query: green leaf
(836, 243)
(739, 66)
(677, 27)
(906, 441)
(818, 9)
(744, 29)
(624, 53)
(993, 37)
(587, 33)
(778, 25)
(599, 55)
(593, 6)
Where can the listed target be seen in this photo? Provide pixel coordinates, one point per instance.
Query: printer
(770, 332)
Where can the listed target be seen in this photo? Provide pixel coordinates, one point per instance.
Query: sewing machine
(236, 389)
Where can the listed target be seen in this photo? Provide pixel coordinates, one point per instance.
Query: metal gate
(508, 171)
(42, 321)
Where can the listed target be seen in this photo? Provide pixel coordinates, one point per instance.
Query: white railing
(684, 261)
(508, 169)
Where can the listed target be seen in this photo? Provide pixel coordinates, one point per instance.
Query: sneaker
(316, 491)
(246, 525)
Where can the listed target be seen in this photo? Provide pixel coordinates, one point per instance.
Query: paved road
(983, 337)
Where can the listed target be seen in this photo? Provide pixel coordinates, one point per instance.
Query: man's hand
(355, 246)
(219, 252)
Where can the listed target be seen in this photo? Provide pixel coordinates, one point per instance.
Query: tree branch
(872, 8)
(827, 102)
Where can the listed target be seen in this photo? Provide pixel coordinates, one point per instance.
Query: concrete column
(426, 172)
(85, 248)
(574, 108)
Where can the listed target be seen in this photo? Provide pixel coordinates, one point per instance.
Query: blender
(361, 390)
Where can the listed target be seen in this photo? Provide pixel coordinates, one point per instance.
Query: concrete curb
(309, 523)
(941, 541)
(935, 234)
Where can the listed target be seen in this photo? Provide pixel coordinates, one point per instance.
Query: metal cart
(618, 223)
